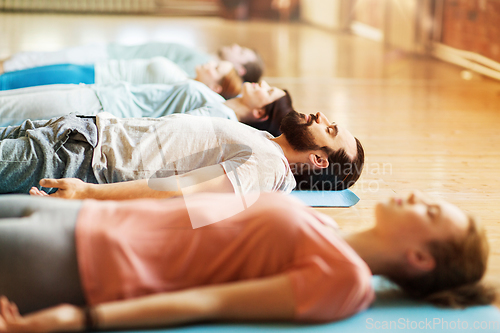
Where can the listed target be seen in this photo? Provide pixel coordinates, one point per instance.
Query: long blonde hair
(455, 281)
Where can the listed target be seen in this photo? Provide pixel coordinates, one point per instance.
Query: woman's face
(212, 73)
(237, 54)
(420, 218)
(258, 95)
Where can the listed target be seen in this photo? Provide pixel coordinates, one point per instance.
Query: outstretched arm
(208, 179)
(269, 298)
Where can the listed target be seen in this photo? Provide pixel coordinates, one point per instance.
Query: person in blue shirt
(220, 76)
(260, 105)
(247, 62)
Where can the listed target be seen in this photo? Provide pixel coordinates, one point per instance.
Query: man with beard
(112, 158)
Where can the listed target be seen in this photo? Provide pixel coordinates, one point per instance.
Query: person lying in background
(247, 62)
(259, 106)
(130, 157)
(220, 77)
(95, 265)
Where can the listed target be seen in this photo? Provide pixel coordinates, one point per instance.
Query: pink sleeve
(323, 293)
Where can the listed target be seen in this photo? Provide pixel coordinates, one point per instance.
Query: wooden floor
(422, 125)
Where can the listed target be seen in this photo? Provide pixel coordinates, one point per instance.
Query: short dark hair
(342, 171)
(276, 111)
(254, 69)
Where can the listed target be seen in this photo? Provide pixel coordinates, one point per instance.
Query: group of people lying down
(165, 63)
(228, 243)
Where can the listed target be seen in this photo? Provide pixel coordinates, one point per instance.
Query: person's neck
(375, 251)
(240, 109)
(293, 156)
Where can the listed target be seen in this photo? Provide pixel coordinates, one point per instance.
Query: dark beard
(298, 134)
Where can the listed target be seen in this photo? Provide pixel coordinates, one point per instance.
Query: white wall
(329, 14)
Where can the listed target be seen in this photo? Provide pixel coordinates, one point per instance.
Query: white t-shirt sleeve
(249, 173)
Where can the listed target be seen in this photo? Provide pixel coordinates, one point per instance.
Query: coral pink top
(132, 248)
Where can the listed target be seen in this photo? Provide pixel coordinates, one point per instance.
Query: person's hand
(64, 317)
(38, 193)
(10, 319)
(68, 188)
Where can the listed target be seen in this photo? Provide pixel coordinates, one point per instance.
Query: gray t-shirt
(130, 149)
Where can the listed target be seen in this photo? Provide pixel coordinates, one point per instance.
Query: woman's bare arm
(269, 298)
(261, 299)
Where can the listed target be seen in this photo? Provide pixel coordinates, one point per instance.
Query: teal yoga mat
(344, 198)
(387, 315)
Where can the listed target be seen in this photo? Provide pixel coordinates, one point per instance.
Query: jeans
(57, 148)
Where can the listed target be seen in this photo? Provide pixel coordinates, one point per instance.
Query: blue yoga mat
(344, 198)
(384, 316)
